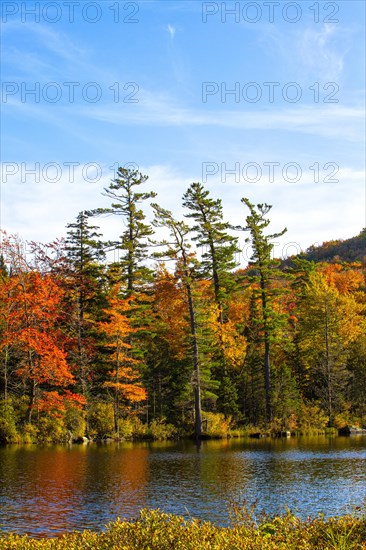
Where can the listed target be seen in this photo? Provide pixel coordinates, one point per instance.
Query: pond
(49, 491)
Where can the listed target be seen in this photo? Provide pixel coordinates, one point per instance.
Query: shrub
(217, 424)
(311, 418)
(101, 420)
(157, 530)
(139, 429)
(75, 421)
(52, 429)
(160, 430)
(29, 433)
(126, 428)
(131, 427)
(8, 430)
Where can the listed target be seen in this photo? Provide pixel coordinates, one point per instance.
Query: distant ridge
(347, 250)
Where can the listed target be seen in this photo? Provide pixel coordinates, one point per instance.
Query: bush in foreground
(156, 530)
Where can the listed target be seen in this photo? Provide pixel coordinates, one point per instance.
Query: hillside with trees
(173, 338)
(339, 250)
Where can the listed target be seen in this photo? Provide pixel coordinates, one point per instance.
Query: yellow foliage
(232, 344)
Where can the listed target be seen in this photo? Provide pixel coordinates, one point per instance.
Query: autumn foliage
(99, 348)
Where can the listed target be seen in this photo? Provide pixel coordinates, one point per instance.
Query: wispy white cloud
(309, 53)
(171, 124)
(333, 122)
(322, 51)
(53, 55)
(171, 31)
(313, 212)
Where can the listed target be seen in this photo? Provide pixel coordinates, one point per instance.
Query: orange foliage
(238, 309)
(171, 310)
(349, 281)
(54, 403)
(118, 327)
(47, 363)
(131, 392)
(30, 310)
(124, 380)
(343, 279)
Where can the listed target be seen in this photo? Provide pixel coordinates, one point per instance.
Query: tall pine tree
(218, 258)
(84, 283)
(126, 200)
(218, 246)
(265, 269)
(178, 249)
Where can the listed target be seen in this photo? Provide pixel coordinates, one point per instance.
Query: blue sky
(257, 99)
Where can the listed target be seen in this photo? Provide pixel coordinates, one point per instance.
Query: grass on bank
(156, 530)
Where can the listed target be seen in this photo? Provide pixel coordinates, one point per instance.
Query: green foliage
(311, 418)
(211, 234)
(178, 248)
(348, 250)
(83, 247)
(340, 534)
(217, 424)
(29, 433)
(132, 428)
(265, 270)
(330, 323)
(286, 398)
(101, 420)
(159, 430)
(156, 530)
(8, 429)
(51, 429)
(276, 347)
(75, 421)
(127, 428)
(126, 202)
(227, 402)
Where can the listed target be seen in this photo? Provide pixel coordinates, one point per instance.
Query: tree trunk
(116, 396)
(6, 373)
(32, 401)
(197, 381)
(328, 369)
(267, 378)
(267, 363)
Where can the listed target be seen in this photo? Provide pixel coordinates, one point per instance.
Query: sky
(264, 100)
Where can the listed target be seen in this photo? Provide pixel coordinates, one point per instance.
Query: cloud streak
(334, 122)
(171, 31)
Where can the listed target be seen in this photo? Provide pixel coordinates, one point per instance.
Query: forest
(160, 333)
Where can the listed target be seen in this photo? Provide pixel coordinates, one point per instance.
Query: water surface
(48, 491)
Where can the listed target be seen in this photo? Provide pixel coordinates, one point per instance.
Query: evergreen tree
(265, 270)
(178, 249)
(83, 247)
(84, 282)
(218, 258)
(252, 396)
(126, 200)
(219, 247)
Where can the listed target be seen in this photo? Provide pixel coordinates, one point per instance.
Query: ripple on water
(46, 492)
